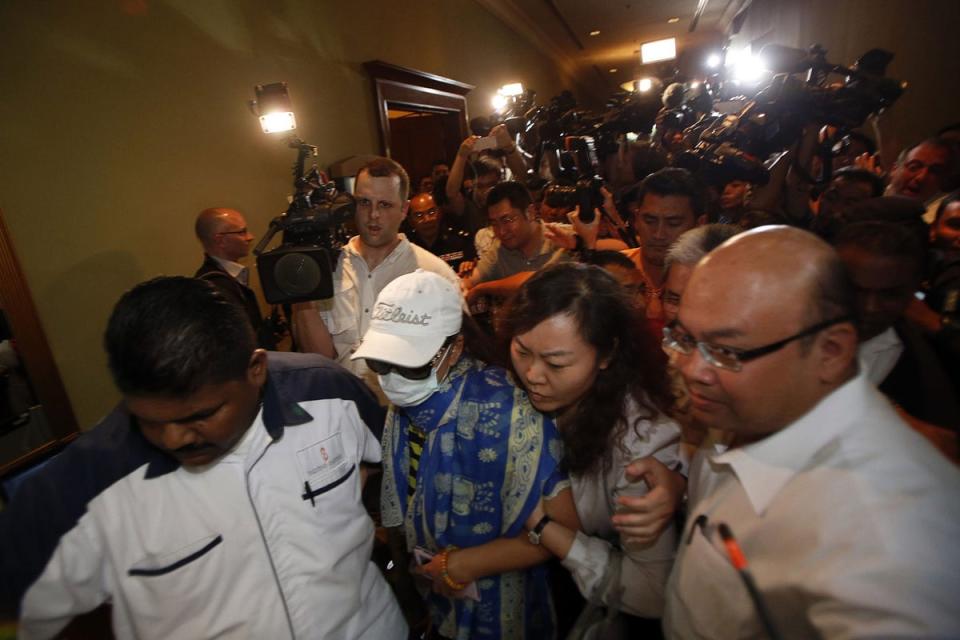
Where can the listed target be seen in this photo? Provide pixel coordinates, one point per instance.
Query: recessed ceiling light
(673, 20)
(614, 70)
(594, 33)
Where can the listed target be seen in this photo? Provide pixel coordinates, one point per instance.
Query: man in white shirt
(370, 260)
(846, 518)
(220, 499)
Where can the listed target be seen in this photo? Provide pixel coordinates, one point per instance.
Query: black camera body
(314, 227)
(585, 193)
(735, 146)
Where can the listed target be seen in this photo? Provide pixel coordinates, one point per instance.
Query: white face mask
(404, 392)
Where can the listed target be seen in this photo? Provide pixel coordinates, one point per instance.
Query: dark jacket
(238, 293)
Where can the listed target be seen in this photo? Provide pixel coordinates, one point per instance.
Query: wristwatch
(534, 535)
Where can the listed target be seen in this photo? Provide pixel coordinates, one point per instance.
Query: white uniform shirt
(879, 355)
(848, 520)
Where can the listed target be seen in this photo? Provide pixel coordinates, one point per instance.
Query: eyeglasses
(505, 220)
(423, 215)
(239, 232)
(411, 373)
(731, 358)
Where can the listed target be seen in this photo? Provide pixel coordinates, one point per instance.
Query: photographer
(486, 173)
(371, 259)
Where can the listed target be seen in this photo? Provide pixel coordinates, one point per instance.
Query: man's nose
(694, 368)
(174, 435)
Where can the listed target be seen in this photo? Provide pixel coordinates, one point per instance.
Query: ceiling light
(658, 50)
(614, 70)
(673, 20)
(594, 33)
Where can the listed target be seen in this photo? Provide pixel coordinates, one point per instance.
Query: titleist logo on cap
(389, 313)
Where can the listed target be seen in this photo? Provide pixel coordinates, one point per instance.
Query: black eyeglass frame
(412, 373)
(745, 355)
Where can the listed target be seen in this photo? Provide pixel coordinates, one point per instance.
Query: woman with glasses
(467, 459)
(579, 345)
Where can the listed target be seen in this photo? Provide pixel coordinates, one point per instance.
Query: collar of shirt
(765, 467)
(879, 355)
(351, 249)
(235, 269)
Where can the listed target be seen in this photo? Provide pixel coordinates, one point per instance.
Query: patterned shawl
(488, 458)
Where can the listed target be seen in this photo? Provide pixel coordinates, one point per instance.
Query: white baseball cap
(413, 316)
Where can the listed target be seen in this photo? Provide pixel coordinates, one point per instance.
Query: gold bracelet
(447, 580)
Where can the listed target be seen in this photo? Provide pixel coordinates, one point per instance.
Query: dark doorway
(423, 116)
(419, 138)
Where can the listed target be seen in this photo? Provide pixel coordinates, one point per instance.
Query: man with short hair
(849, 187)
(221, 498)
(663, 206)
(838, 511)
(371, 259)
(226, 240)
(886, 263)
(426, 220)
(521, 246)
(920, 171)
(485, 172)
(683, 255)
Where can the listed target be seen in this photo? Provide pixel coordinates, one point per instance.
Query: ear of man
(835, 351)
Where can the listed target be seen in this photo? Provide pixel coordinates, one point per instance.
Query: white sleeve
(74, 581)
(643, 572)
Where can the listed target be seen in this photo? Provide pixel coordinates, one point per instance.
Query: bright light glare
(513, 89)
(278, 121)
(694, 85)
(713, 60)
(499, 102)
(644, 85)
(658, 50)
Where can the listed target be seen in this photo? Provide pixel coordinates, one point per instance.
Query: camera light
(278, 121)
(499, 102)
(274, 107)
(694, 85)
(512, 89)
(644, 85)
(713, 60)
(658, 50)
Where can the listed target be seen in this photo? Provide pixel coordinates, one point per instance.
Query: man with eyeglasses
(453, 246)
(844, 516)
(367, 263)
(226, 241)
(920, 172)
(521, 246)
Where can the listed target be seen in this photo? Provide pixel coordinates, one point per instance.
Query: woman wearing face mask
(467, 459)
(578, 345)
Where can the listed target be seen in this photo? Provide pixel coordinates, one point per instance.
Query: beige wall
(122, 119)
(923, 35)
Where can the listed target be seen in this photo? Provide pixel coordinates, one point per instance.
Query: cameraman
(371, 259)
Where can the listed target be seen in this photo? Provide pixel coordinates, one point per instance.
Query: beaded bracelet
(450, 582)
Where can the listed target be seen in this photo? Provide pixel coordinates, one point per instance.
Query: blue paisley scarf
(488, 458)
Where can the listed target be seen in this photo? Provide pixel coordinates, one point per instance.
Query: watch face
(533, 537)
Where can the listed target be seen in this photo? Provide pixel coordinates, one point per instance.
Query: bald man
(226, 240)
(846, 518)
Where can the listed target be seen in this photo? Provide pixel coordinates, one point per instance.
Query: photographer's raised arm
(518, 167)
(455, 179)
(310, 332)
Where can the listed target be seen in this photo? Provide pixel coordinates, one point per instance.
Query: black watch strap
(534, 534)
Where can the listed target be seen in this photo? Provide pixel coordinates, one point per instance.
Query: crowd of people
(707, 410)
